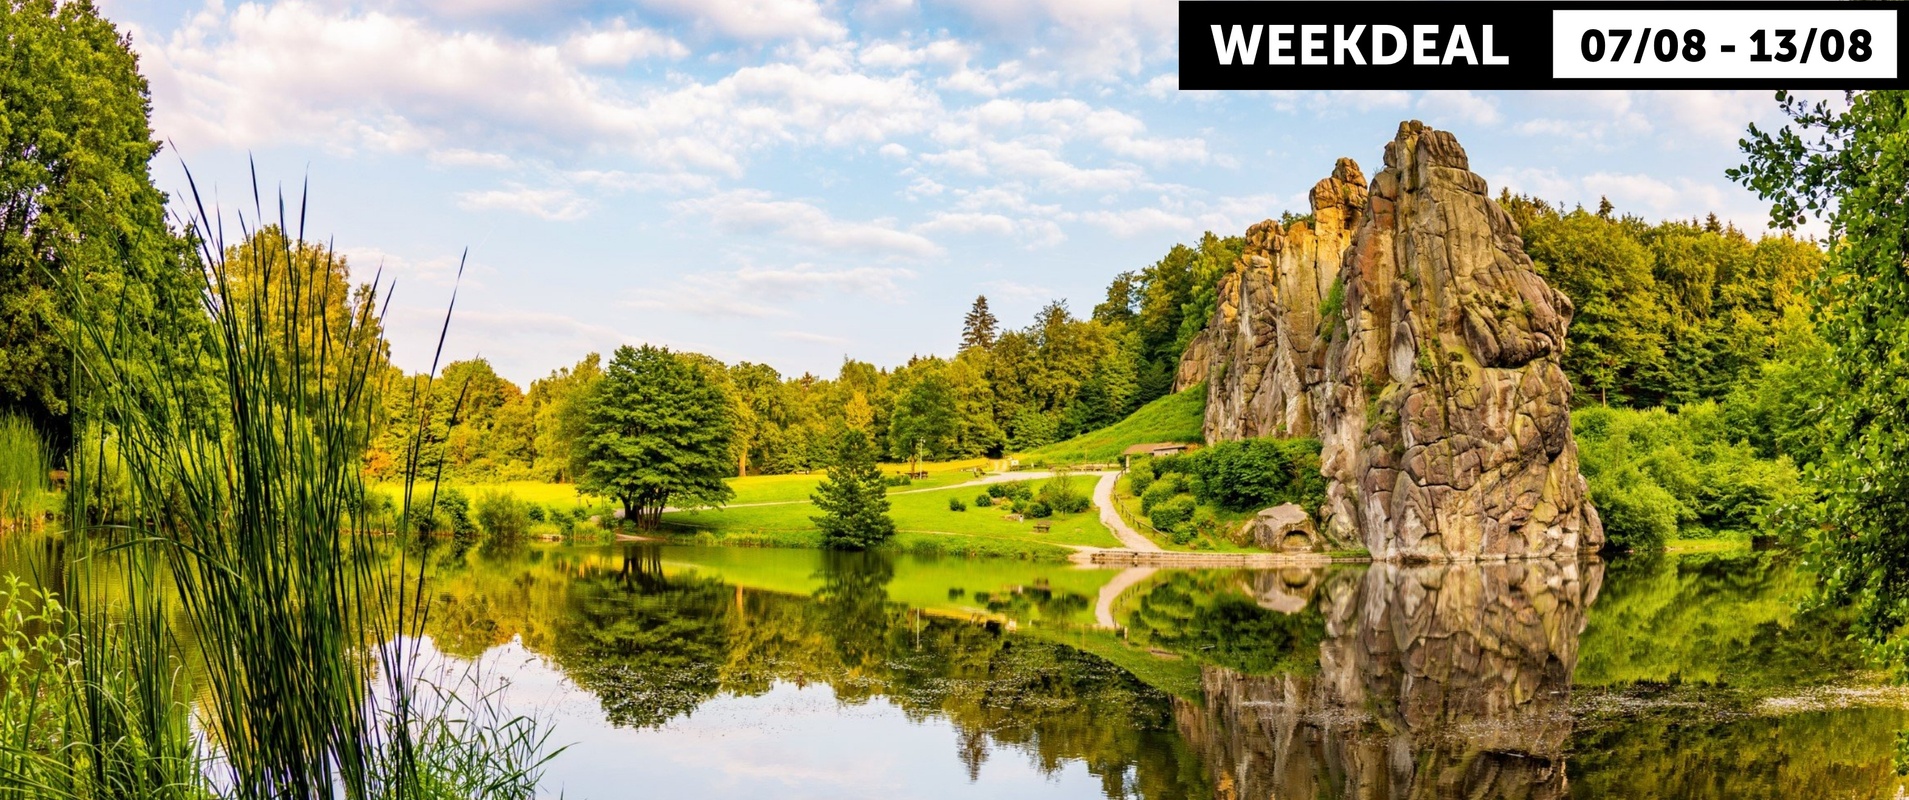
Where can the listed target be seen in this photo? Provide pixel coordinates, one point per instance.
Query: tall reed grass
(23, 472)
(305, 677)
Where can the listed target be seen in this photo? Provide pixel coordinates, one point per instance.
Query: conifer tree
(978, 328)
(853, 499)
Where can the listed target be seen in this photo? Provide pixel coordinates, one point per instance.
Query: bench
(1042, 527)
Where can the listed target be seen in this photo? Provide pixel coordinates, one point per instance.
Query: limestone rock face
(1406, 329)
(1262, 355)
(1447, 424)
(1284, 528)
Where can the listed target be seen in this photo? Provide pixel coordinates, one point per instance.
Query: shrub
(983, 500)
(535, 512)
(1158, 493)
(1139, 478)
(1171, 513)
(997, 490)
(503, 517)
(1038, 510)
(898, 479)
(1254, 473)
(456, 509)
(1061, 494)
(955, 504)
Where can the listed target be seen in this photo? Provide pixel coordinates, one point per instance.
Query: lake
(745, 673)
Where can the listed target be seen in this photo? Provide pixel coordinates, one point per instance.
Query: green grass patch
(1174, 418)
(913, 512)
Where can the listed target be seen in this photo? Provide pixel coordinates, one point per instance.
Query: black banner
(1504, 44)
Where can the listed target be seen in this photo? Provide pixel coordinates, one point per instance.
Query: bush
(536, 513)
(955, 504)
(898, 479)
(1253, 473)
(456, 509)
(1061, 494)
(1038, 510)
(997, 490)
(1139, 478)
(1159, 493)
(503, 517)
(983, 500)
(1171, 513)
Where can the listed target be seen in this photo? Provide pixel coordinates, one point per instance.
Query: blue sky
(793, 181)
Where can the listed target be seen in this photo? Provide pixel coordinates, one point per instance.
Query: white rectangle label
(1725, 44)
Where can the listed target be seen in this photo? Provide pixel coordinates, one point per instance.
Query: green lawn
(751, 489)
(920, 512)
(1174, 418)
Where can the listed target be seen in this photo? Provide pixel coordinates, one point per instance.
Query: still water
(744, 673)
(686, 672)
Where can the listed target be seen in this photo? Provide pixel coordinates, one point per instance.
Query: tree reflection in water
(1382, 682)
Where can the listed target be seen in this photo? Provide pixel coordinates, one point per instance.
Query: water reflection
(740, 673)
(1432, 681)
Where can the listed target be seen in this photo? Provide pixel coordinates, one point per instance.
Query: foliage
(1251, 474)
(979, 327)
(23, 470)
(659, 429)
(1063, 494)
(1168, 514)
(853, 501)
(1669, 313)
(504, 518)
(77, 203)
(1852, 166)
(1656, 475)
(983, 500)
(1176, 417)
(957, 504)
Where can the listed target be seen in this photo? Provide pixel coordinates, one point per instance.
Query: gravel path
(1110, 516)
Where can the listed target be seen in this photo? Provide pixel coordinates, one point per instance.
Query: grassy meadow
(1173, 418)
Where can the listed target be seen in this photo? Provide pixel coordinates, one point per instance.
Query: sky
(793, 182)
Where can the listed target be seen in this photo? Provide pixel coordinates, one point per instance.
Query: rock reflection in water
(1434, 681)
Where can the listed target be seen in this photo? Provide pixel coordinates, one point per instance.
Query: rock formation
(1433, 681)
(1406, 330)
(1284, 528)
(1262, 355)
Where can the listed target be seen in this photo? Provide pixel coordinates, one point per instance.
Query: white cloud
(620, 44)
(756, 19)
(1460, 107)
(1135, 221)
(756, 213)
(763, 292)
(296, 72)
(551, 204)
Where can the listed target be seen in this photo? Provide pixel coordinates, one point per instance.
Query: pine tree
(1604, 208)
(853, 499)
(978, 328)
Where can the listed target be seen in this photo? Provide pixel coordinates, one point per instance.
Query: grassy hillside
(1174, 418)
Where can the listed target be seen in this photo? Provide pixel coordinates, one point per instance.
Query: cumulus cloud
(757, 213)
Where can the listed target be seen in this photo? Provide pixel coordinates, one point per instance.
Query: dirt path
(1110, 516)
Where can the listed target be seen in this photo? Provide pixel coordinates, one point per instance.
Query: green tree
(78, 204)
(925, 415)
(1852, 165)
(658, 429)
(853, 498)
(978, 327)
